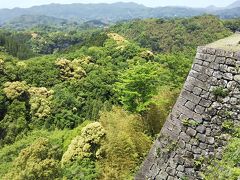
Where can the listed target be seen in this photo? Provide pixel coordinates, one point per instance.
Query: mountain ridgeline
(108, 13)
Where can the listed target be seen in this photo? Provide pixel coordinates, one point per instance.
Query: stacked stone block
(194, 131)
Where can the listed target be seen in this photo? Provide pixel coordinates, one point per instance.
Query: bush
(126, 144)
(162, 103)
(38, 161)
(220, 92)
(84, 169)
(228, 166)
(86, 145)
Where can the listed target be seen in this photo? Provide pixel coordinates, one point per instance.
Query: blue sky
(152, 3)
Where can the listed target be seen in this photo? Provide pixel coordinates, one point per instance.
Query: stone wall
(194, 131)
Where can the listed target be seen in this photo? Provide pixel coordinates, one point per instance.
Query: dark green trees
(14, 123)
(16, 44)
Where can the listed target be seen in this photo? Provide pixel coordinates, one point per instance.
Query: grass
(231, 43)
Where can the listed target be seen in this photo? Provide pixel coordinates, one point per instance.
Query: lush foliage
(228, 166)
(173, 35)
(91, 107)
(139, 83)
(38, 161)
(232, 24)
(16, 44)
(125, 146)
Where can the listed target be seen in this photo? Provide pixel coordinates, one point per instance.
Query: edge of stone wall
(193, 103)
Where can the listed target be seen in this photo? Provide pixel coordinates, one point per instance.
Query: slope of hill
(83, 12)
(172, 35)
(234, 4)
(92, 110)
(29, 21)
(170, 12)
(228, 13)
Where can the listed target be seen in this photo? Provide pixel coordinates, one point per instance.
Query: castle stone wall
(194, 131)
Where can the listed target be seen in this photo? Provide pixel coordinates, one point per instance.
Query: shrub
(220, 92)
(228, 166)
(87, 145)
(15, 89)
(126, 144)
(38, 161)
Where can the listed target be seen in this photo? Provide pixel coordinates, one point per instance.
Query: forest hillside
(87, 103)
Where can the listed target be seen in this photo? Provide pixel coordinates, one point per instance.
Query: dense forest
(78, 102)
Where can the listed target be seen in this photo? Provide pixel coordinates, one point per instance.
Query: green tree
(87, 145)
(84, 169)
(14, 122)
(160, 108)
(125, 146)
(16, 89)
(79, 161)
(232, 24)
(178, 64)
(38, 161)
(138, 84)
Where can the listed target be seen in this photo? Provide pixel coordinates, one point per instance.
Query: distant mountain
(28, 21)
(31, 21)
(168, 12)
(212, 8)
(103, 12)
(228, 13)
(234, 4)
(94, 23)
(80, 12)
(106, 13)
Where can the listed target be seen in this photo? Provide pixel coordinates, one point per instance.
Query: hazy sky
(192, 3)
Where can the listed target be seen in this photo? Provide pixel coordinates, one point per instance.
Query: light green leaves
(15, 89)
(138, 84)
